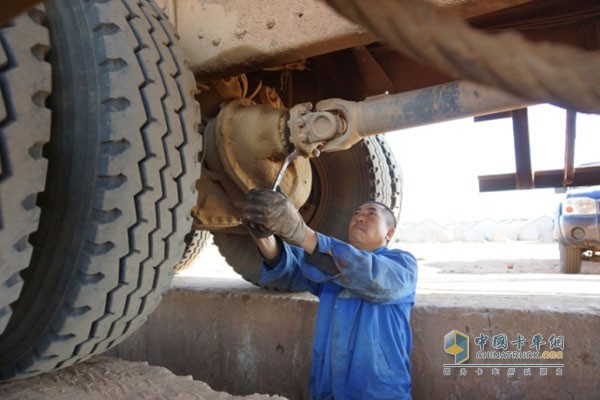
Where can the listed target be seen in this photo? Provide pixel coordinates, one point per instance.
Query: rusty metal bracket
(571, 132)
(524, 175)
(585, 176)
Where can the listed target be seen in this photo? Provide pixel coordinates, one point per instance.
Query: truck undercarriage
(107, 162)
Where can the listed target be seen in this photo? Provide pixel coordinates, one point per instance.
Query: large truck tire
(570, 259)
(25, 83)
(122, 164)
(341, 182)
(195, 244)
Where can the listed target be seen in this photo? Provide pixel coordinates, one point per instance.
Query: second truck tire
(341, 182)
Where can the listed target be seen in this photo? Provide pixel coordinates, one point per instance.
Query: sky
(441, 163)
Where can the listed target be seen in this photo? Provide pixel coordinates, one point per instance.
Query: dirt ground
(106, 378)
(510, 257)
(442, 266)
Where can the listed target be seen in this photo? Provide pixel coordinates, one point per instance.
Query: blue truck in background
(577, 228)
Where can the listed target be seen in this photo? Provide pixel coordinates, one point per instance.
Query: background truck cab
(577, 228)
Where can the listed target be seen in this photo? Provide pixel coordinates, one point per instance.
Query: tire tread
(143, 191)
(25, 80)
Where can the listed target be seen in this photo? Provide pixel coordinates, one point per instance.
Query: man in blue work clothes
(362, 338)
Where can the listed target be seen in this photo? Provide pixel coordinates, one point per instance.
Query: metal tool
(261, 231)
(288, 160)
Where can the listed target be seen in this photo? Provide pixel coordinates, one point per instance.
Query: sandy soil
(512, 257)
(492, 258)
(106, 378)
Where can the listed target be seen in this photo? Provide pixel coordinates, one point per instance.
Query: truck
(576, 228)
(128, 126)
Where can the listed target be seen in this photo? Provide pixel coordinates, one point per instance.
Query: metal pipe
(455, 100)
(434, 104)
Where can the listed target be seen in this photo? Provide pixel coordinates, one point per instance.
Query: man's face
(368, 229)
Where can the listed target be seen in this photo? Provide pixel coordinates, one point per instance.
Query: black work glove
(256, 230)
(274, 212)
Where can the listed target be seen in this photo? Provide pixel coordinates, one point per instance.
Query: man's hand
(256, 231)
(276, 213)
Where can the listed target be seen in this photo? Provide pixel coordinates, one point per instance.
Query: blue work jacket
(362, 340)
